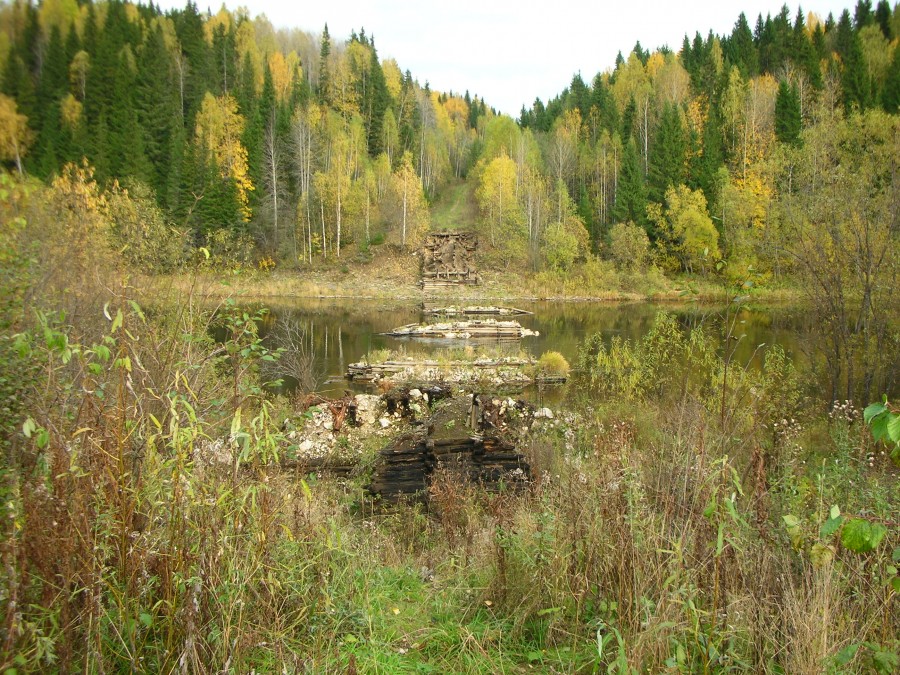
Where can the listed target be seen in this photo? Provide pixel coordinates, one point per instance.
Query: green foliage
(684, 228)
(884, 422)
(861, 536)
(787, 114)
(631, 197)
(142, 233)
(554, 363)
(629, 247)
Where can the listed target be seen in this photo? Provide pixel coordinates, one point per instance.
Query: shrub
(554, 363)
(629, 247)
(141, 232)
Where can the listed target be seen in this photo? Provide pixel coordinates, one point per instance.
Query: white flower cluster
(844, 412)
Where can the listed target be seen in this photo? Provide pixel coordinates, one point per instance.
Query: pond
(331, 334)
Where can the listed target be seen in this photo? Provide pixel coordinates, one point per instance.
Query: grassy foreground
(672, 525)
(685, 515)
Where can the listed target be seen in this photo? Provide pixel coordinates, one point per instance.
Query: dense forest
(286, 146)
(201, 214)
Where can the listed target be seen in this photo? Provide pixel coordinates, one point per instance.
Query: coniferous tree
(741, 50)
(602, 99)
(126, 138)
(631, 196)
(787, 114)
(863, 15)
(377, 101)
(192, 76)
(667, 154)
(628, 117)
(855, 82)
(883, 19)
(804, 53)
(890, 95)
(157, 109)
(323, 85)
(705, 165)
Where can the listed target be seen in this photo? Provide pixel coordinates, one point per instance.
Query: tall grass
(149, 525)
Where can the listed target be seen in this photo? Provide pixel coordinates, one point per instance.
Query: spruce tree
(705, 165)
(883, 19)
(863, 15)
(667, 154)
(855, 82)
(787, 114)
(631, 195)
(323, 85)
(890, 95)
(377, 101)
(741, 50)
(628, 116)
(804, 53)
(157, 109)
(602, 99)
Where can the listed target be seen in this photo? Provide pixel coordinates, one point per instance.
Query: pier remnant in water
(448, 259)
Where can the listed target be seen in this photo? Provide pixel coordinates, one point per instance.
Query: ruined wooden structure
(490, 329)
(473, 310)
(448, 260)
(469, 437)
(406, 368)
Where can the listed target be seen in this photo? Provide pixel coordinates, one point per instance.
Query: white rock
(306, 445)
(544, 412)
(385, 422)
(415, 393)
(329, 424)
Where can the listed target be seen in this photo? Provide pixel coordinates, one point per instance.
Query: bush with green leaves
(141, 232)
(629, 247)
(553, 363)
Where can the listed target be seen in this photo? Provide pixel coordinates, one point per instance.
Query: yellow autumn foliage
(219, 127)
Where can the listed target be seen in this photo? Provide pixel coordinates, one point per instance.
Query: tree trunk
(404, 207)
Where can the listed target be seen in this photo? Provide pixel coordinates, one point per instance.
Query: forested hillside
(235, 128)
(278, 147)
(225, 447)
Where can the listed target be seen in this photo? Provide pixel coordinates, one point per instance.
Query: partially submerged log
(465, 330)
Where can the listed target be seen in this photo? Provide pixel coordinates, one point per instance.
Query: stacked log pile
(475, 310)
(467, 436)
(465, 330)
(404, 468)
(399, 369)
(448, 260)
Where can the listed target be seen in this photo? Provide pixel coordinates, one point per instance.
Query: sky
(509, 53)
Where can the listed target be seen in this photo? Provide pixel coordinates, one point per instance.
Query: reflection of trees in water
(322, 337)
(300, 361)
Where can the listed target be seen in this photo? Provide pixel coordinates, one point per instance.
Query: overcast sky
(511, 52)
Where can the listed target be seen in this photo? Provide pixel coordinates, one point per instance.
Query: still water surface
(336, 333)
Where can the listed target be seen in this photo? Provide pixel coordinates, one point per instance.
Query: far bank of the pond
(401, 284)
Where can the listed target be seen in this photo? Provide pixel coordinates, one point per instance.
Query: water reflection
(327, 335)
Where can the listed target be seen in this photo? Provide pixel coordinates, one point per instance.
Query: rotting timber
(474, 310)
(470, 437)
(448, 260)
(505, 371)
(489, 329)
(426, 428)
